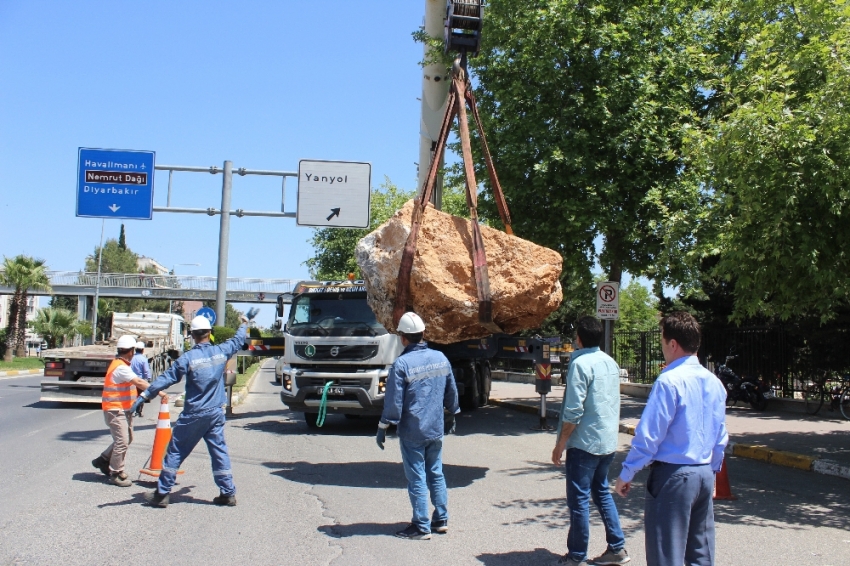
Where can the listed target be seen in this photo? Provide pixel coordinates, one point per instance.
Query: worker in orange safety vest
(119, 392)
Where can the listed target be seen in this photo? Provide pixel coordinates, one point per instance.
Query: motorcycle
(745, 389)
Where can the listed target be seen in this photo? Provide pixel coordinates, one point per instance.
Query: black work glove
(381, 437)
(450, 425)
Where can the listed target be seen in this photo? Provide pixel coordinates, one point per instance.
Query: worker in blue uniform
(419, 385)
(203, 411)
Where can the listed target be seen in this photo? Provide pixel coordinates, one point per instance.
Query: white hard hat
(140, 345)
(126, 342)
(200, 323)
(411, 323)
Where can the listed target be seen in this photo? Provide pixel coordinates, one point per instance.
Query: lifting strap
(460, 95)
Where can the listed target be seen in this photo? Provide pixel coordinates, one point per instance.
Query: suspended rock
(524, 281)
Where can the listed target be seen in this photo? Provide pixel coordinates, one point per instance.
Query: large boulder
(524, 281)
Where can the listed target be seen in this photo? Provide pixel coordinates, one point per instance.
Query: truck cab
(332, 337)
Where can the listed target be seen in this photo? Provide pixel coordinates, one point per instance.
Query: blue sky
(263, 84)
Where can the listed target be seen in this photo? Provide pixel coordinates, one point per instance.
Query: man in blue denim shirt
(419, 385)
(681, 436)
(203, 414)
(588, 430)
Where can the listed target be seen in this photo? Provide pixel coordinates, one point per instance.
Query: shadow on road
(81, 435)
(367, 474)
(519, 557)
(179, 496)
(362, 530)
(89, 477)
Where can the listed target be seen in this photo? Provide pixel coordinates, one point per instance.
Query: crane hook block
(464, 19)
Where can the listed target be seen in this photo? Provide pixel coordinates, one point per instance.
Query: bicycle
(841, 396)
(817, 391)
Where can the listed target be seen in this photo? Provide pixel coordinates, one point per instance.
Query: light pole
(173, 273)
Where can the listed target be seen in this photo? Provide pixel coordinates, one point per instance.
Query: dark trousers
(679, 515)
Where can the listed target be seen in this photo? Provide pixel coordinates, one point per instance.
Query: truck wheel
(312, 420)
(472, 397)
(486, 384)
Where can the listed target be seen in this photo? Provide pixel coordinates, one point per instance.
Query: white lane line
(85, 415)
(21, 376)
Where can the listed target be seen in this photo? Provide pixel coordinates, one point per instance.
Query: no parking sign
(608, 300)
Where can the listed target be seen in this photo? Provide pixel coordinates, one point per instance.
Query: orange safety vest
(117, 396)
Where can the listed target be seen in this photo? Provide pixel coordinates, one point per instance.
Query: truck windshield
(332, 314)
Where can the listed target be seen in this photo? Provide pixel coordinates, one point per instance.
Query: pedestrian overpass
(169, 287)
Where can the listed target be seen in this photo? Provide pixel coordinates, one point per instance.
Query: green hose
(323, 404)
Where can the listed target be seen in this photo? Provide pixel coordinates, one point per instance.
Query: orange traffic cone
(160, 442)
(722, 489)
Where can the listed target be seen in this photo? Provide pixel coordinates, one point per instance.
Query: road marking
(20, 376)
(85, 415)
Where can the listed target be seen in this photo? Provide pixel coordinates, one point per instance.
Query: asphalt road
(332, 497)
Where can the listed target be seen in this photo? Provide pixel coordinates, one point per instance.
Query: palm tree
(23, 273)
(55, 325)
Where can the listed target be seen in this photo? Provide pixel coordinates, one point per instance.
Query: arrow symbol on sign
(334, 212)
(114, 208)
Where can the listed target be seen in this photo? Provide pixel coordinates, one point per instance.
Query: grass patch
(21, 363)
(242, 378)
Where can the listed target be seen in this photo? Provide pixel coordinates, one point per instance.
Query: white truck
(332, 338)
(78, 371)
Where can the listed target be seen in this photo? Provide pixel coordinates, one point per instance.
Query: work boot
(157, 499)
(226, 500)
(102, 464)
(441, 527)
(612, 557)
(412, 532)
(120, 479)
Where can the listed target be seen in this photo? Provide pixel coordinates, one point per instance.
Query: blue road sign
(207, 313)
(115, 183)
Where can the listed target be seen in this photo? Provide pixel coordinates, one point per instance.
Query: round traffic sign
(208, 314)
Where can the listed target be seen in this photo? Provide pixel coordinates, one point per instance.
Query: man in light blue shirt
(681, 436)
(140, 366)
(588, 429)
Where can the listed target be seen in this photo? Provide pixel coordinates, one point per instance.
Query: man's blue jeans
(587, 477)
(423, 467)
(188, 431)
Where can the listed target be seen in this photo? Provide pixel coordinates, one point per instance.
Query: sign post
(608, 310)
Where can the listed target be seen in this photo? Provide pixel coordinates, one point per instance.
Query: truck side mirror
(279, 306)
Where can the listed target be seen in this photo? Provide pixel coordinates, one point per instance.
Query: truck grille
(341, 352)
(321, 381)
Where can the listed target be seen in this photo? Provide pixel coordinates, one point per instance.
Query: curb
(750, 451)
(14, 372)
(240, 396)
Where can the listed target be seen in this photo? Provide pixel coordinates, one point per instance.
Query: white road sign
(333, 194)
(608, 300)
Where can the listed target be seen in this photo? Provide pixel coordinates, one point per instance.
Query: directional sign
(207, 313)
(608, 300)
(333, 194)
(115, 183)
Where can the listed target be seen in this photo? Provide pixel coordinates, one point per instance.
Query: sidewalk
(17, 372)
(820, 444)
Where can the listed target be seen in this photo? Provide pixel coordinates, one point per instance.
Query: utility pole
(435, 92)
(223, 244)
(97, 283)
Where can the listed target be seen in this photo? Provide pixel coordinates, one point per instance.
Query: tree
(776, 158)
(638, 308)
(118, 259)
(55, 325)
(23, 273)
(67, 302)
(586, 105)
(122, 239)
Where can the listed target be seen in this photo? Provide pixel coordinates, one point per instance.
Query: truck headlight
(287, 382)
(382, 385)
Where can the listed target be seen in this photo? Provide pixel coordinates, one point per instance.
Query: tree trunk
(21, 349)
(12, 328)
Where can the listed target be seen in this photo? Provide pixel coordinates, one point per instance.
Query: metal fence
(639, 353)
(786, 357)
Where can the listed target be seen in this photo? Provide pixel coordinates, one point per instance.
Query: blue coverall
(202, 416)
